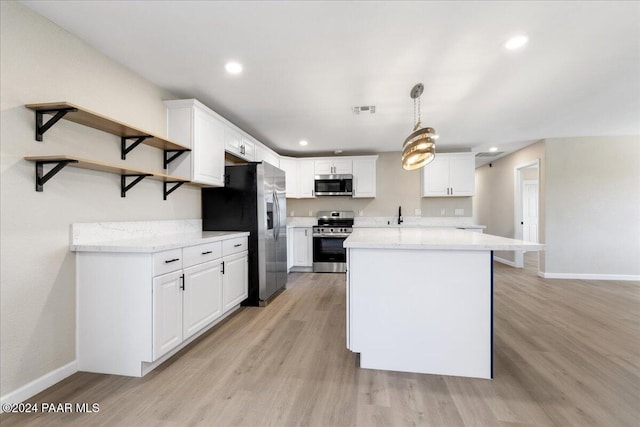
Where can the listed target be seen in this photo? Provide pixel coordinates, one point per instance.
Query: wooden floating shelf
(104, 167)
(64, 160)
(94, 120)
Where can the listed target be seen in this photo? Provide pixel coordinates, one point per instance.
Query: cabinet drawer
(167, 261)
(233, 246)
(201, 253)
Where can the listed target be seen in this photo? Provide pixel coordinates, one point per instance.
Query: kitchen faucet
(400, 220)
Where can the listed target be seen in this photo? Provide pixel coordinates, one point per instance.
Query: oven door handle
(331, 235)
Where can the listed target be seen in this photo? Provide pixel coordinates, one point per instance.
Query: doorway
(527, 210)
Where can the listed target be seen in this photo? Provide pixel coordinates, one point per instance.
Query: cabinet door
(232, 140)
(248, 149)
(306, 175)
(323, 167)
(290, 168)
(462, 174)
(290, 249)
(167, 313)
(235, 280)
(302, 247)
(435, 177)
(364, 178)
(208, 149)
(202, 297)
(342, 166)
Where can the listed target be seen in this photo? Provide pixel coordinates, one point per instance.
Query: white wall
(40, 62)
(495, 193)
(593, 206)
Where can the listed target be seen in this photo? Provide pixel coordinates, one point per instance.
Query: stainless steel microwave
(333, 185)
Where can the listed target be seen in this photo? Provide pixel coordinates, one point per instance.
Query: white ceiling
(306, 64)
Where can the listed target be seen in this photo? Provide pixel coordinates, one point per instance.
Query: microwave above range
(333, 185)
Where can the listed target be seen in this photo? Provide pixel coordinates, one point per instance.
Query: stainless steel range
(329, 256)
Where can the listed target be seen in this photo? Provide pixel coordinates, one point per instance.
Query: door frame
(517, 208)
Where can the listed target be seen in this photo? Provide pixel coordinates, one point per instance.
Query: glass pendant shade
(419, 149)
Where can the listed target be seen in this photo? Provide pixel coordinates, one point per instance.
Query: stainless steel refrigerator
(253, 199)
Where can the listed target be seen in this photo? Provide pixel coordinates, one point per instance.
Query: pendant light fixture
(419, 149)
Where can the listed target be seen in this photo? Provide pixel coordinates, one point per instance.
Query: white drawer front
(167, 261)
(201, 253)
(233, 246)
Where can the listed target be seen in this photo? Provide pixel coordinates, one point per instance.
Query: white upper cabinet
(364, 176)
(263, 154)
(194, 125)
(449, 175)
(333, 166)
(232, 141)
(306, 178)
(290, 167)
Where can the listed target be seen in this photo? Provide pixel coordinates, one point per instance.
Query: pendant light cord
(416, 113)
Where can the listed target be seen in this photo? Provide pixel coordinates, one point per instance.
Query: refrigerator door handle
(276, 227)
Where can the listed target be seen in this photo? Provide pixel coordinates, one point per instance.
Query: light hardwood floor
(567, 353)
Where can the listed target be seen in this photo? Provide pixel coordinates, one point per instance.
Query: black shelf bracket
(123, 144)
(58, 114)
(172, 189)
(41, 178)
(168, 159)
(124, 187)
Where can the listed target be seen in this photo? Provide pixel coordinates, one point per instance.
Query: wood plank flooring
(567, 353)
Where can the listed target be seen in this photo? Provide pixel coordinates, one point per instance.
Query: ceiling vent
(490, 154)
(371, 109)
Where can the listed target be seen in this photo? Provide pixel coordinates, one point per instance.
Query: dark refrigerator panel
(249, 202)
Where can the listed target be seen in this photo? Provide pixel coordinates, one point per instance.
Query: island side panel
(426, 311)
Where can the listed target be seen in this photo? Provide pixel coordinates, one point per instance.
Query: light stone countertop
(143, 236)
(158, 243)
(434, 239)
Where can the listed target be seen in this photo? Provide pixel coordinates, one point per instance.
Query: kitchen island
(421, 299)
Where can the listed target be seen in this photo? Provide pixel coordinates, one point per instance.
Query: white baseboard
(40, 384)
(504, 261)
(589, 276)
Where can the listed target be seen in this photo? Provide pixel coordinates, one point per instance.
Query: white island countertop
(434, 239)
(158, 243)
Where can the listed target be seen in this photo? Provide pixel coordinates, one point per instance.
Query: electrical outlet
(417, 212)
(292, 213)
(310, 212)
(459, 212)
(361, 212)
(443, 211)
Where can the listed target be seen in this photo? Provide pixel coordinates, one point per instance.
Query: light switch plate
(361, 212)
(459, 212)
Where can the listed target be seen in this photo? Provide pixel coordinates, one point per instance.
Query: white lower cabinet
(137, 309)
(201, 297)
(167, 313)
(300, 248)
(235, 280)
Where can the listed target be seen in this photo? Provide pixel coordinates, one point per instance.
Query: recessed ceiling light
(303, 142)
(337, 151)
(233, 67)
(516, 42)
(493, 149)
